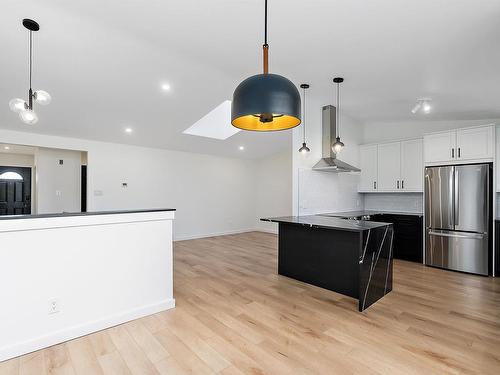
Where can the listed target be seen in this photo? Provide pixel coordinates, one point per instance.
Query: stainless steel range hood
(329, 161)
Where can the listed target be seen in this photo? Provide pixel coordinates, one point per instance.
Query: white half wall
(273, 189)
(213, 195)
(65, 277)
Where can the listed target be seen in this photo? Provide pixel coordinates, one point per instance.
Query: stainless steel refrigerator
(457, 217)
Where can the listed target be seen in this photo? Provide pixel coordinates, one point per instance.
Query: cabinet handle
(402, 184)
(375, 185)
(459, 152)
(397, 184)
(452, 153)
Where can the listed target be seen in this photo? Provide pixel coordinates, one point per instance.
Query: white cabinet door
(368, 165)
(440, 147)
(389, 166)
(412, 168)
(475, 143)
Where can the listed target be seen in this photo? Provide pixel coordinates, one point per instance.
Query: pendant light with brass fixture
(338, 145)
(304, 149)
(265, 102)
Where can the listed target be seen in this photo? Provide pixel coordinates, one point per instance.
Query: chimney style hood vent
(329, 161)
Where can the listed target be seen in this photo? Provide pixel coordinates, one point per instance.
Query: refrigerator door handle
(456, 196)
(475, 236)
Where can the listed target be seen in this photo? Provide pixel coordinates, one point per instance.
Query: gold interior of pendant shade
(252, 122)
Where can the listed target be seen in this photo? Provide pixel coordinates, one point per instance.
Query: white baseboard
(273, 231)
(73, 332)
(214, 234)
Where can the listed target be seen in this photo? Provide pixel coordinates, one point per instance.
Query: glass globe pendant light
(338, 145)
(20, 106)
(265, 102)
(304, 149)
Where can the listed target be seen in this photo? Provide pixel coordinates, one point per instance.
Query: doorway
(15, 190)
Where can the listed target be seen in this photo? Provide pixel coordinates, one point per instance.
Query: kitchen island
(66, 275)
(350, 257)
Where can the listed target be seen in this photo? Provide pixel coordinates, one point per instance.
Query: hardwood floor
(235, 315)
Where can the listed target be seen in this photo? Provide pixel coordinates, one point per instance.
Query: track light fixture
(304, 149)
(423, 105)
(25, 108)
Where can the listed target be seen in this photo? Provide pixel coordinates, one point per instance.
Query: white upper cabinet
(368, 165)
(461, 145)
(412, 165)
(440, 147)
(392, 167)
(389, 166)
(475, 143)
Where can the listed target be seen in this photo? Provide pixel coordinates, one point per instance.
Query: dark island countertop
(369, 212)
(318, 221)
(70, 214)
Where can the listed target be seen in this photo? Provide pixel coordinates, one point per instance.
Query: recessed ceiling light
(6, 147)
(165, 87)
(242, 148)
(128, 130)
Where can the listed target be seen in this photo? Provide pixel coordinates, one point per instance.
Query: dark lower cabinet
(497, 248)
(408, 235)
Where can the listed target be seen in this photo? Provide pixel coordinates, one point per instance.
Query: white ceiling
(103, 62)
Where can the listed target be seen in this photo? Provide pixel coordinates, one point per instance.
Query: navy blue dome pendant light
(304, 149)
(266, 102)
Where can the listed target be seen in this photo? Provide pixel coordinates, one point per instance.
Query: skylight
(215, 124)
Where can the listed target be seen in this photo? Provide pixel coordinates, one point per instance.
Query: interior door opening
(15, 190)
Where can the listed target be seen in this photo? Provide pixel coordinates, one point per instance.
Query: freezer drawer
(459, 251)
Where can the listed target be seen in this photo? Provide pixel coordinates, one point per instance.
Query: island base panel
(323, 257)
(375, 266)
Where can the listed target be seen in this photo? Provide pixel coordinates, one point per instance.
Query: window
(11, 176)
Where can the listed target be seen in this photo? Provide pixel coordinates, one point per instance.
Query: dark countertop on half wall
(70, 214)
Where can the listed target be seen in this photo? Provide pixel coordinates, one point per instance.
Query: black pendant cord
(338, 110)
(304, 117)
(30, 93)
(265, 24)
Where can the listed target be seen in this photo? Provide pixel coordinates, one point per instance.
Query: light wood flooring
(235, 315)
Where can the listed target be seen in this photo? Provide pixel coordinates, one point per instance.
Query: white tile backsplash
(321, 192)
(407, 202)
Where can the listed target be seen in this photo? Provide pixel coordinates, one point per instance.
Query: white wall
(58, 186)
(273, 188)
(213, 195)
(387, 131)
(325, 191)
(16, 160)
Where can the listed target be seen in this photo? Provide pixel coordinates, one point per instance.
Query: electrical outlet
(53, 306)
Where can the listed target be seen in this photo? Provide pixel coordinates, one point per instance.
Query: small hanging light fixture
(265, 102)
(304, 149)
(25, 108)
(338, 145)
